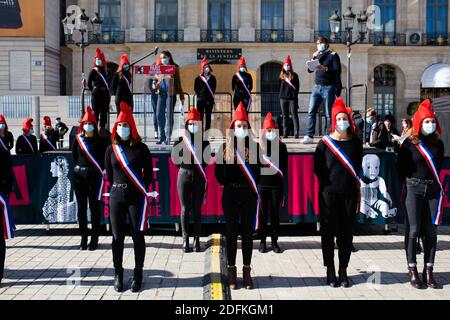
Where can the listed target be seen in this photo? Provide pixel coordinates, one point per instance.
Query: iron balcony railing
(274, 35)
(107, 37)
(164, 36)
(216, 35)
(387, 39)
(435, 39)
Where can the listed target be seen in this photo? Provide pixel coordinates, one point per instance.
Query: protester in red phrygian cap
(337, 164)
(205, 89)
(6, 137)
(49, 136)
(242, 86)
(289, 89)
(122, 86)
(99, 84)
(271, 186)
(129, 169)
(420, 162)
(26, 143)
(238, 169)
(187, 154)
(88, 151)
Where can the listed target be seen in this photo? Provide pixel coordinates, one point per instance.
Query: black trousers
(237, 100)
(2, 250)
(271, 198)
(100, 105)
(289, 107)
(205, 107)
(421, 201)
(239, 206)
(86, 190)
(191, 190)
(123, 203)
(337, 220)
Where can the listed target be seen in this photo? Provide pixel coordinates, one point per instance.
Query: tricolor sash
(288, 81)
(431, 162)
(248, 174)
(3, 145)
(47, 140)
(246, 89)
(207, 85)
(273, 166)
(128, 83)
(197, 162)
(103, 78)
(88, 154)
(29, 143)
(7, 222)
(346, 162)
(137, 181)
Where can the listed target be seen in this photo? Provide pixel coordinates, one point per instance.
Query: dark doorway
(270, 88)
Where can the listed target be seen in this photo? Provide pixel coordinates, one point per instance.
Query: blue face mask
(124, 133)
(429, 128)
(165, 61)
(342, 125)
(89, 128)
(369, 120)
(358, 121)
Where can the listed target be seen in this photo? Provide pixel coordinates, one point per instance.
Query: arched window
(384, 90)
(437, 22)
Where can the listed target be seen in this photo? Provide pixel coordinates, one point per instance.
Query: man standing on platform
(327, 86)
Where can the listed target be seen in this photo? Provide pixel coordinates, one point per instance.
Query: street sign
(154, 70)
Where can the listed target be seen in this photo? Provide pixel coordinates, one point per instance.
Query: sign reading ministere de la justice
(219, 53)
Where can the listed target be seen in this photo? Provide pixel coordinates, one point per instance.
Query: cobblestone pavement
(50, 266)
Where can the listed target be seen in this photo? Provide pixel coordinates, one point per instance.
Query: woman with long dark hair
(129, 168)
(6, 137)
(122, 84)
(242, 86)
(337, 164)
(289, 89)
(419, 163)
(205, 89)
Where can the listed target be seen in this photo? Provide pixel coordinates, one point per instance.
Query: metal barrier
(16, 107)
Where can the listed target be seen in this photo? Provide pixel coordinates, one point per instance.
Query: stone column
(192, 20)
(136, 31)
(247, 15)
(303, 19)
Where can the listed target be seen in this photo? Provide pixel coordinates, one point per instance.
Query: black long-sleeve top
(8, 140)
(22, 146)
(191, 165)
(53, 136)
(202, 91)
(140, 159)
(97, 146)
(238, 87)
(331, 77)
(286, 91)
(96, 84)
(232, 173)
(411, 163)
(6, 172)
(275, 180)
(332, 175)
(120, 88)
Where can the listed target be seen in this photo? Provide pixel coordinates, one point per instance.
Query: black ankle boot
(83, 243)
(93, 244)
(197, 247)
(331, 277)
(118, 282)
(343, 278)
(414, 279)
(263, 246)
(137, 281)
(186, 247)
(275, 247)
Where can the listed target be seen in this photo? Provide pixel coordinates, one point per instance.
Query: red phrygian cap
(99, 55)
(269, 123)
(89, 116)
(193, 115)
(239, 115)
(425, 111)
(339, 107)
(123, 60)
(203, 65)
(126, 115)
(3, 119)
(27, 124)
(242, 62)
(47, 121)
(289, 62)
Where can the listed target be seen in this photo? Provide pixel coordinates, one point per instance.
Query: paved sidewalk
(41, 266)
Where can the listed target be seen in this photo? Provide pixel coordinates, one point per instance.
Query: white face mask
(321, 47)
(342, 125)
(99, 63)
(429, 128)
(2, 126)
(242, 69)
(271, 136)
(241, 133)
(124, 133)
(207, 70)
(405, 126)
(193, 128)
(287, 68)
(88, 128)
